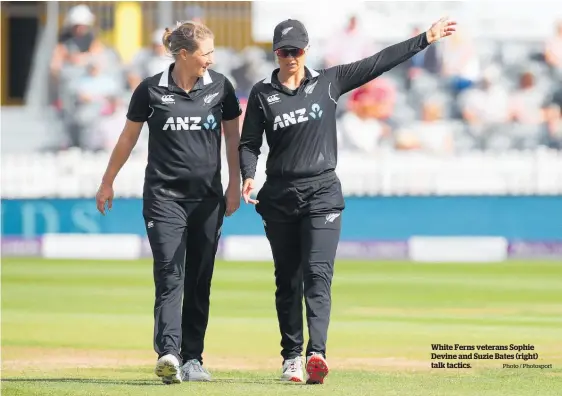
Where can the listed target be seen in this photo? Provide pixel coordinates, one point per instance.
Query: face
(365, 109)
(80, 30)
(352, 23)
(291, 59)
(201, 59)
(94, 70)
(159, 49)
(527, 80)
(431, 112)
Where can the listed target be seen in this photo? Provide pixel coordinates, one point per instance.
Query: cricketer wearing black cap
(301, 202)
(290, 33)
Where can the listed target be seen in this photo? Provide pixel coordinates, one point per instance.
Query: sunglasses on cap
(289, 52)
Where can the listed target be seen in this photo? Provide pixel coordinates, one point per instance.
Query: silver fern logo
(308, 90)
(209, 98)
(331, 217)
(286, 30)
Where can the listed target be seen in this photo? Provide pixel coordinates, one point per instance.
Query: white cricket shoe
(292, 370)
(192, 370)
(168, 368)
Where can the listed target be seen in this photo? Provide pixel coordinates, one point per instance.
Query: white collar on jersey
(313, 73)
(164, 79)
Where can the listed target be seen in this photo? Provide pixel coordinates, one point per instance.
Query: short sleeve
(139, 105)
(230, 105)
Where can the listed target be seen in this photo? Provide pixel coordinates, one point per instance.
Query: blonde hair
(186, 36)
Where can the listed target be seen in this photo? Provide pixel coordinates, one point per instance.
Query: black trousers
(184, 239)
(302, 221)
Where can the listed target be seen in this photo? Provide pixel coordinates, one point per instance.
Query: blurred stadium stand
(468, 116)
(455, 155)
(76, 173)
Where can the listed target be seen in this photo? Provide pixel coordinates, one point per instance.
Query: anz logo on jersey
(297, 117)
(190, 123)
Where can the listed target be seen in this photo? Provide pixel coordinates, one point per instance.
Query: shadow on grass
(155, 382)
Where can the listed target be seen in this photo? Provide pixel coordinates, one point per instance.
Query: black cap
(290, 33)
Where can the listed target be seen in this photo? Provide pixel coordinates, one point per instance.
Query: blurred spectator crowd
(458, 95)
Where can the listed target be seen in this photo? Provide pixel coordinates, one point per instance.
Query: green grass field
(85, 328)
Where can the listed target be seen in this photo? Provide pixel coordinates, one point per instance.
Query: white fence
(77, 174)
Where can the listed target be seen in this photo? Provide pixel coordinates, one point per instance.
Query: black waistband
(327, 176)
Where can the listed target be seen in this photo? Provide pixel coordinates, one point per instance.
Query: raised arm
(350, 76)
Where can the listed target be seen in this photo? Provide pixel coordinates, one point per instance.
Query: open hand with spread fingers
(442, 28)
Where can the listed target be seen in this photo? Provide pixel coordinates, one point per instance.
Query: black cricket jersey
(184, 143)
(300, 125)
